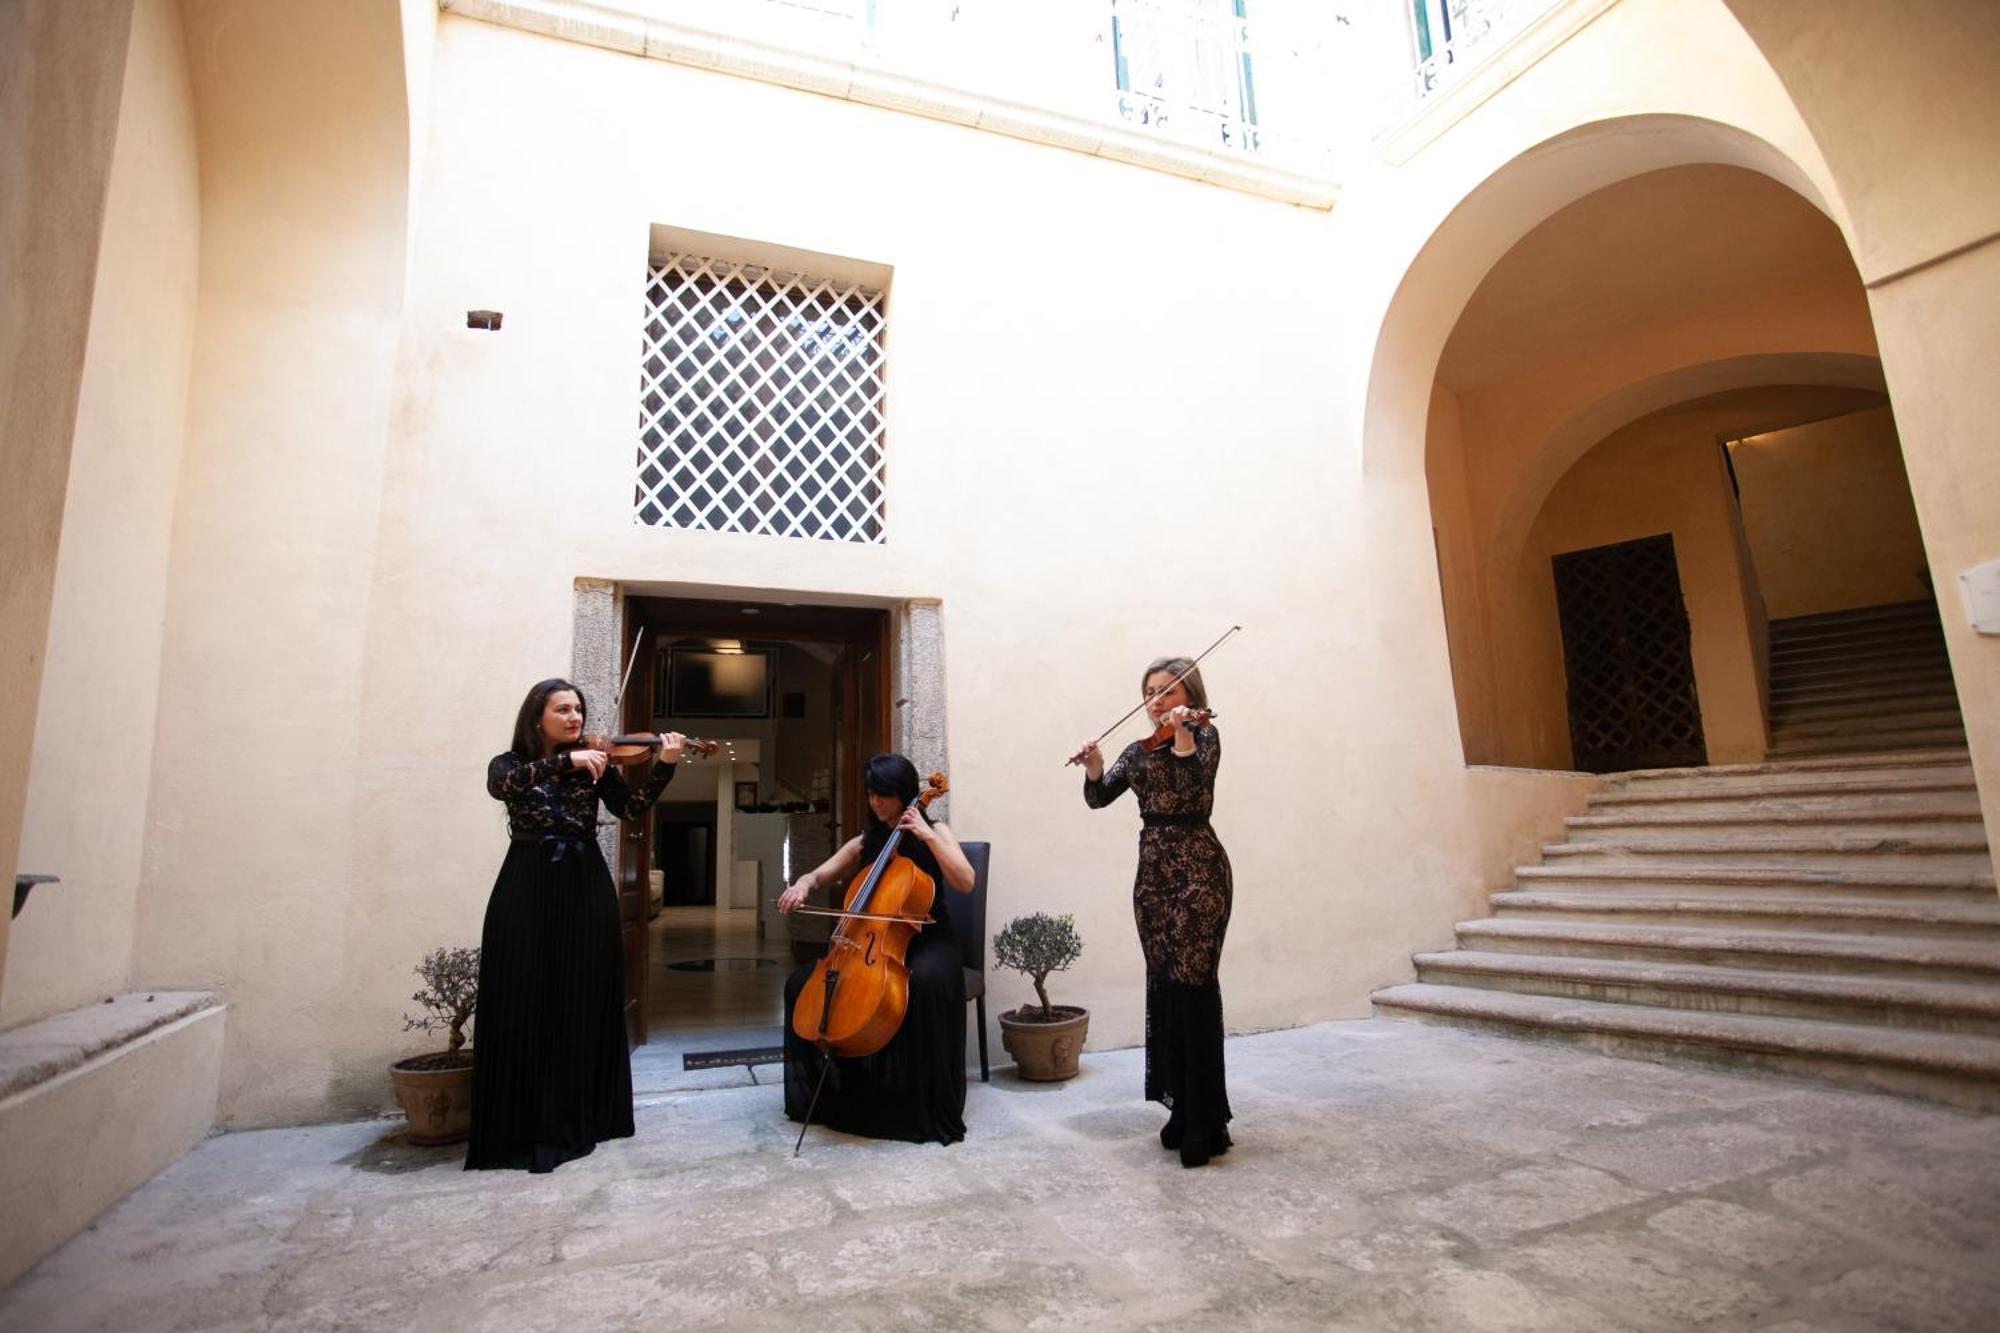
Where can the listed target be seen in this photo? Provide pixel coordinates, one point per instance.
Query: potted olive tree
(436, 1089)
(1046, 1039)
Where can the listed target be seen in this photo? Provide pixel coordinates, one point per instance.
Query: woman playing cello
(914, 1087)
(1181, 898)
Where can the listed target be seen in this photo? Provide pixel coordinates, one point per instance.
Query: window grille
(760, 403)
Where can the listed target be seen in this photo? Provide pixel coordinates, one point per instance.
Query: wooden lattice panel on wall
(760, 403)
(1626, 654)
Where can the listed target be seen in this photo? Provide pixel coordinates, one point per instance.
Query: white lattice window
(760, 402)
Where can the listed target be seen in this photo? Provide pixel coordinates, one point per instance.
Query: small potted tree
(1045, 1039)
(436, 1089)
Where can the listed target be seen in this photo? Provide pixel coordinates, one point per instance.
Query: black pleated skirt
(1184, 1069)
(912, 1089)
(551, 1074)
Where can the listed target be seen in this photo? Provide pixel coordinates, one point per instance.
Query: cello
(854, 1001)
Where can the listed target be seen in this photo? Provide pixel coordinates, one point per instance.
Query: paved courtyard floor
(1387, 1176)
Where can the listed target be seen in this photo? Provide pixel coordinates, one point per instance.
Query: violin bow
(626, 679)
(861, 916)
(1157, 693)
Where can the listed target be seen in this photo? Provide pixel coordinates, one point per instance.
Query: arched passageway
(1579, 410)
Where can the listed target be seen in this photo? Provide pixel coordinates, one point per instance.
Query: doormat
(748, 1055)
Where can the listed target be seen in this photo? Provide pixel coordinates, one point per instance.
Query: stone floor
(1387, 1176)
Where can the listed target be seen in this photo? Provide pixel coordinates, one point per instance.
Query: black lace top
(1164, 782)
(919, 855)
(554, 796)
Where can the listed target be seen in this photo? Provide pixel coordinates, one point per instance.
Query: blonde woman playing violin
(1181, 899)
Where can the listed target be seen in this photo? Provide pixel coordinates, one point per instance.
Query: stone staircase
(1871, 679)
(1831, 912)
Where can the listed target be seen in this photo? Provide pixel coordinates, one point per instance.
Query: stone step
(1942, 737)
(1738, 908)
(1888, 759)
(1862, 675)
(1873, 705)
(1857, 615)
(1885, 883)
(1930, 632)
(1835, 789)
(1787, 657)
(1888, 720)
(1962, 1069)
(1916, 682)
(1912, 956)
(1937, 1006)
(1965, 849)
(1870, 816)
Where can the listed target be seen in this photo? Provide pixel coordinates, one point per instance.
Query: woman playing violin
(914, 1087)
(1181, 898)
(551, 1077)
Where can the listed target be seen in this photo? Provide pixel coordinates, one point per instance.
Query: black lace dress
(1181, 898)
(913, 1088)
(551, 1073)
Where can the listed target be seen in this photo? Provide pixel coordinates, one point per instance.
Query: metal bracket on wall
(23, 883)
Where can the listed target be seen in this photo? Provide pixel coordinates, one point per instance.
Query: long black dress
(551, 1075)
(913, 1088)
(1181, 898)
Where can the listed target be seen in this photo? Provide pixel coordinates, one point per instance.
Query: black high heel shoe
(1173, 1131)
(1199, 1151)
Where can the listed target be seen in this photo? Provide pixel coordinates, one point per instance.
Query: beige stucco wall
(1827, 510)
(1099, 374)
(424, 573)
(254, 845)
(62, 68)
(86, 808)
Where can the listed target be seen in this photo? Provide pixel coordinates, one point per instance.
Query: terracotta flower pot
(1045, 1051)
(436, 1093)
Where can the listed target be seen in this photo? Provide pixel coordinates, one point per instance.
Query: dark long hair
(886, 775)
(529, 743)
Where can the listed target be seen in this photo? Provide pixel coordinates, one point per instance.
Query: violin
(627, 750)
(1164, 734)
(856, 997)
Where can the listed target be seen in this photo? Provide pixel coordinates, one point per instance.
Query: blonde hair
(1197, 693)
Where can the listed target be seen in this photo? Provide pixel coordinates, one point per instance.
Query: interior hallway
(715, 984)
(1386, 1176)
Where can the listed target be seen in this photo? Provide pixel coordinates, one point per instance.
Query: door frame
(908, 648)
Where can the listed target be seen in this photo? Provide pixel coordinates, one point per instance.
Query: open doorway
(796, 699)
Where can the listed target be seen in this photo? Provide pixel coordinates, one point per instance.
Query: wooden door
(861, 721)
(1627, 659)
(635, 844)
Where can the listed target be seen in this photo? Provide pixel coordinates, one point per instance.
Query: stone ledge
(100, 1099)
(616, 27)
(35, 1053)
